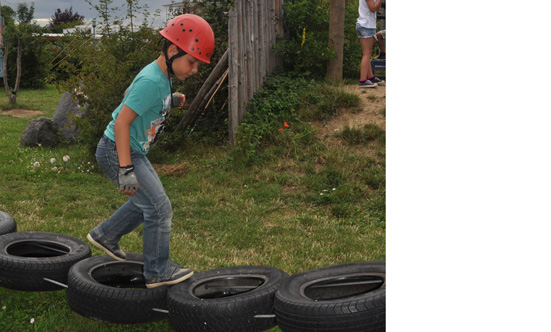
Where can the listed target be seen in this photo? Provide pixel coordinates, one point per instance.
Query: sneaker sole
(368, 86)
(169, 282)
(107, 251)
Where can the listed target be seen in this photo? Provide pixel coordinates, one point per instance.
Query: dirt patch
(23, 113)
(373, 103)
(172, 170)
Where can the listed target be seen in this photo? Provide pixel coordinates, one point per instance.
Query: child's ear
(172, 50)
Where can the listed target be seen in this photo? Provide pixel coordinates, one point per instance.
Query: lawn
(325, 205)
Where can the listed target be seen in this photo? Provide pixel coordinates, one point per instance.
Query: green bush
(304, 47)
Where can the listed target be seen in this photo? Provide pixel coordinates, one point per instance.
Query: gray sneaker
(367, 84)
(377, 81)
(112, 250)
(175, 275)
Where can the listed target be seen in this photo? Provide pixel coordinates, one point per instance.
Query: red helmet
(192, 34)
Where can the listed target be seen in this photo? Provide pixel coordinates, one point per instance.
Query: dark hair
(167, 44)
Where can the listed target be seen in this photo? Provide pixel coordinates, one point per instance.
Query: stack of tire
(348, 297)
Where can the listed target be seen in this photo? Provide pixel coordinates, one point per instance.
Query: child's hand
(178, 99)
(128, 183)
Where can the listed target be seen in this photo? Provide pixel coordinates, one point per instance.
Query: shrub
(304, 47)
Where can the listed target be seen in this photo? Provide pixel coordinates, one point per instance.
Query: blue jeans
(149, 205)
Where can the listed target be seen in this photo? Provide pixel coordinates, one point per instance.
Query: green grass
(43, 99)
(315, 207)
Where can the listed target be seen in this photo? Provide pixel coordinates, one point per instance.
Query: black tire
(225, 299)
(7, 224)
(339, 298)
(26, 258)
(103, 289)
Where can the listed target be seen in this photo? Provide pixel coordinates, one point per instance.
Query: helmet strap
(169, 69)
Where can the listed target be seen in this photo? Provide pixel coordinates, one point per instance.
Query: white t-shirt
(367, 18)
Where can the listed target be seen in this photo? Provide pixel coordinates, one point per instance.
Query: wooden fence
(253, 28)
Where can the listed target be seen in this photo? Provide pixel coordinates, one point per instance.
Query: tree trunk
(336, 39)
(12, 95)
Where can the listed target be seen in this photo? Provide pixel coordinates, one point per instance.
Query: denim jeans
(149, 205)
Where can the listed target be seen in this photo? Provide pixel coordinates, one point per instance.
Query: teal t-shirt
(149, 97)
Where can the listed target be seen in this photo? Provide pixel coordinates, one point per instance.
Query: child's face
(185, 66)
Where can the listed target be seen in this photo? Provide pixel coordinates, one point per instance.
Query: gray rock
(42, 131)
(65, 112)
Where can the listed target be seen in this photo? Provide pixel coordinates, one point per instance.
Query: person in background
(381, 41)
(366, 27)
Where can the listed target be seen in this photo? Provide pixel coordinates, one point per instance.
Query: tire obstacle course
(341, 298)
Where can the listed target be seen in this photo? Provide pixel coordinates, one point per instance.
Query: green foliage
(35, 49)
(304, 47)
(285, 98)
(274, 104)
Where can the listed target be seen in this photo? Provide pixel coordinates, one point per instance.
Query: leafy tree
(24, 13)
(65, 19)
(34, 49)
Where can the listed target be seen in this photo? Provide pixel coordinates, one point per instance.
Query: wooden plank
(233, 113)
(243, 62)
(262, 45)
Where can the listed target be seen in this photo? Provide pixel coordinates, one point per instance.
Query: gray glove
(127, 178)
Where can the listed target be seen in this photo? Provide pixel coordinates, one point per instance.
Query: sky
(45, 9)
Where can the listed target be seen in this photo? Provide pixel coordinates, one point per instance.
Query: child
(136, 126)
(366, 27)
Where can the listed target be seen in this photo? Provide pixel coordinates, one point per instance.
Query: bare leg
(365, 67)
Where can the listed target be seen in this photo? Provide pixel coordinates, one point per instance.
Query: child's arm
(374, 7)
(122, 139)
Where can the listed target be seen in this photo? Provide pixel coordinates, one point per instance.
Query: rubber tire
(191, 311)
(7, 224)
(93, 291)
(25, 259)
(342, 311)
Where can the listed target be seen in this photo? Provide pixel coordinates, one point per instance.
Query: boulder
(41, 132)
(65, 112)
